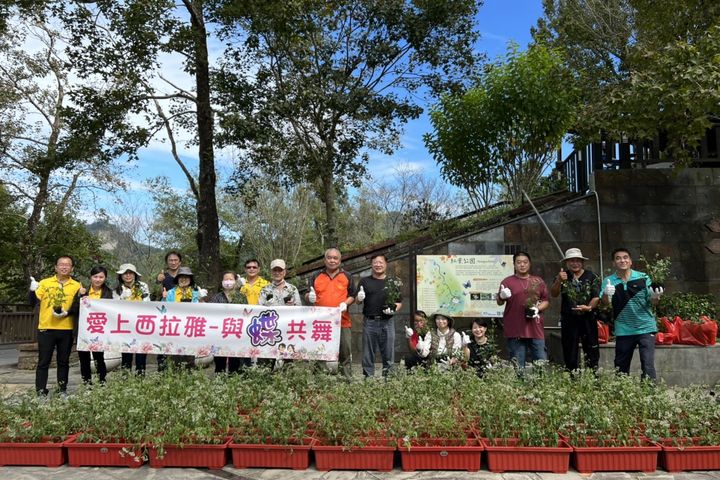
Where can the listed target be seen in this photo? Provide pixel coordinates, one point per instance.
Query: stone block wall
(675, 364)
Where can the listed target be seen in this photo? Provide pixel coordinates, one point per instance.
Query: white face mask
(228, 284)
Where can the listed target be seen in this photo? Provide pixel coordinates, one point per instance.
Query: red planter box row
(501, 457)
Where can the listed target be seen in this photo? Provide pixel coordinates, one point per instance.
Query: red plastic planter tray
(191, 455)
(101, 455)
(504, 456)
(376, 455)
(48, 454)
(251, 455)
(689, 457)
(642, 458)
(442, 457)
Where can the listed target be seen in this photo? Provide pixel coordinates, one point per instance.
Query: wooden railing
(18, 324)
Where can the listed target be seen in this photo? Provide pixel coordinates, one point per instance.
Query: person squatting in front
(442, 345)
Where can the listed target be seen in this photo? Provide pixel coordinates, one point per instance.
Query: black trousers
(412, 359)
(86, 371)
(580, 329)
(233, 364)
(48, 342)
(140, 361)
(625, 347)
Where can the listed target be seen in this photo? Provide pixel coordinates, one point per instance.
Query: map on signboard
(461, 285)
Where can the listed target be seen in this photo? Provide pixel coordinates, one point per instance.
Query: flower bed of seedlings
(301, 406)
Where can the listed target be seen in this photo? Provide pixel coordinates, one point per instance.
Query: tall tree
(464, 157)
(642, 68)
(277, 222)
(509, 126)
(121, 46)
(409, 199)
(335, 79)
(45, 167)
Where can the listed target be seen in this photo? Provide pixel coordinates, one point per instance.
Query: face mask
(228, 284)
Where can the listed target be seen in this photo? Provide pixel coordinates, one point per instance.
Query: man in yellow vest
(55, 325)
(253, 283)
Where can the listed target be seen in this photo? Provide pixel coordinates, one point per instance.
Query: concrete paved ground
(228, 473)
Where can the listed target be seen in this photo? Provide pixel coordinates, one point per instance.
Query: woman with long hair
(98, 289)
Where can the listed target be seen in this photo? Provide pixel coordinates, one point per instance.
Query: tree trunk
(30, 264)
(208, 230)
(328, 197)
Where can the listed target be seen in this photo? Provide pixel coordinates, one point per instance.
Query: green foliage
(334, 82)
(642, 70)
(174, 217)
(657, 268)
(393, 290)
(180, 407)
(578, 292)
(56, 235)
(688, 306)
(129, 41)
(12, 221)
(421, 214)
(47, 171)
(507, 127)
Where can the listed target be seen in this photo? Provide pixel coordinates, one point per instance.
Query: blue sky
(499, 21)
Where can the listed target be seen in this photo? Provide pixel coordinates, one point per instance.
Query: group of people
(433, 339)
(627, 291)
(59, 304)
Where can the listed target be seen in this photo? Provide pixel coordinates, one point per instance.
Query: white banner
(201, 329)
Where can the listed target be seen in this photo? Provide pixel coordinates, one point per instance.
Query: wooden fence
(18, 324)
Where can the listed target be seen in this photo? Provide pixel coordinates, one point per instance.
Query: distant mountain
(126, 249)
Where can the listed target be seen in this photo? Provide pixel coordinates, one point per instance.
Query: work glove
(423, 348)
(408, 332)
(536, 313)
(312, 296)
(388, 311)
(361, 294)
(609, 289)
(465, 339)
(342, 306)
(126, 293)
(505, 292)
(62, 314)
(657, 293)
(202, 292)
(34, 284)
(242, 282)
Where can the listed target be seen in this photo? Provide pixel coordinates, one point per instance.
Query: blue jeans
(517, 347)
(378, 335)
(625, 347)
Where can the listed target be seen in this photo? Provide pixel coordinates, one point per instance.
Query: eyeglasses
(251, 268)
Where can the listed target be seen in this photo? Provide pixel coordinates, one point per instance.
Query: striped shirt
(632, 309)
